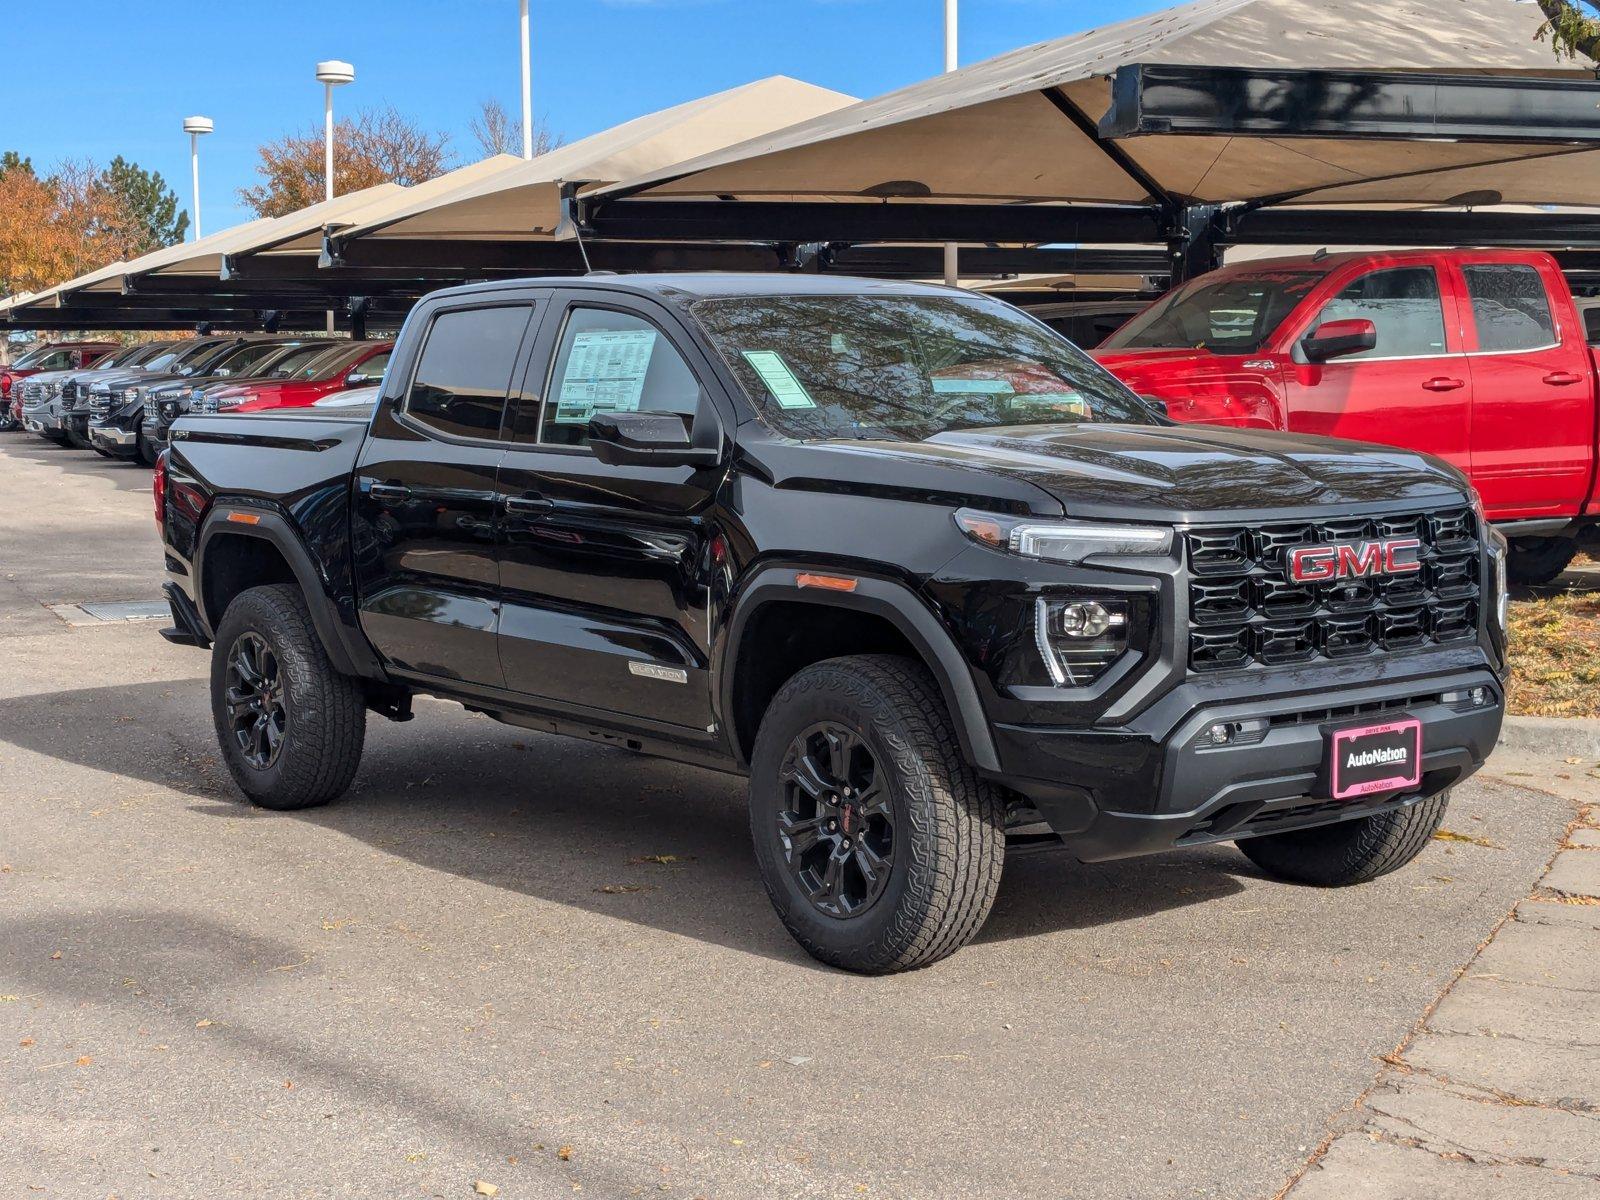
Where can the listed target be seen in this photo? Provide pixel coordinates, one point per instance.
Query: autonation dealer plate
(1376, 758)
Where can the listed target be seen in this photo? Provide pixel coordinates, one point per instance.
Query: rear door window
(1510, 307)
(1405, 305)
(464, 374)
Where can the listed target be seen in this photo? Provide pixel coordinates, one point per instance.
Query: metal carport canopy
(1024, 128)
(523, 202)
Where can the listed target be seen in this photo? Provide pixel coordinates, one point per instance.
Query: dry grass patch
(1555, 656)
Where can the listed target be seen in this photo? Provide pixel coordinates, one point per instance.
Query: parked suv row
(120, 401)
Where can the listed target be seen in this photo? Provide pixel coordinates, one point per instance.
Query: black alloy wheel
(257, 700)
(836, 823)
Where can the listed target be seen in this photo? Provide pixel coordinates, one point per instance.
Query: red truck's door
(1533, 390)
(1413, 389)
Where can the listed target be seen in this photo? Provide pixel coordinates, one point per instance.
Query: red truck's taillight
(158, 489)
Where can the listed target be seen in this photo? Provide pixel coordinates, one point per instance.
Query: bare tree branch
(498, 132)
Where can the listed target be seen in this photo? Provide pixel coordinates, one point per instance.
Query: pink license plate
(1376, 758)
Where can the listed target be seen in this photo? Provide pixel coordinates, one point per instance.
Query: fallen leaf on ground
(658, 859)
(564, 1154)
(1450, 835)
(484, 1188)
(25, 1042)
(202, 1023)
(56, 955)
(622, 889)
(85, 1059)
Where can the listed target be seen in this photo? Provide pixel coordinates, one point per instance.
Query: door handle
(1441, 384)
(528, 506)
(1562, 378)
(389, 493)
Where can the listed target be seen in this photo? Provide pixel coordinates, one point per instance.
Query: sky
(91, 79)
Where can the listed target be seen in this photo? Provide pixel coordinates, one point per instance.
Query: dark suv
(926, 573)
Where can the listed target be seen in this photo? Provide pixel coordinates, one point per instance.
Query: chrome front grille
(1245, 611)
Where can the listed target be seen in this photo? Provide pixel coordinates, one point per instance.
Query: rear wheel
(291, 728)
(1536, 560)
(880, 847)
(1351, 851)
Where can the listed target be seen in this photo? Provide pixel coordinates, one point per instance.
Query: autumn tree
(376, 146)
(498, 132)
(1573, 27)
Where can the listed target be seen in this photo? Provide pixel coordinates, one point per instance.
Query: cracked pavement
(476, 967)
(1497, 1093)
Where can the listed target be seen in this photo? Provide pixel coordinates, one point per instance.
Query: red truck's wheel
(1536, 560)
(879, 846)
(291, 728)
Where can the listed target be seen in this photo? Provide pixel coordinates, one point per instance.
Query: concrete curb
(1568, 737)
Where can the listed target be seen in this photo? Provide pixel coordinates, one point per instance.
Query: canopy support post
(357, 307)
(1196, 239)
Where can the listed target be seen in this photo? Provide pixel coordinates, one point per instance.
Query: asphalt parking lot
(550, 967)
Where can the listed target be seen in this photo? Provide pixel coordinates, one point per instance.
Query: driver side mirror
(650, 439)
(359, 378)
(1335, 339)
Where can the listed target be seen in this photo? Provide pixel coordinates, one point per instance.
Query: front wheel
(1352, 851)
(291, 727)
(144, 451)
(880, 847)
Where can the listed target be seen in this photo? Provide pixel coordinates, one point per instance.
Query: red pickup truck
(1478, 356)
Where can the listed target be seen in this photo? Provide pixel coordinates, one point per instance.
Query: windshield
(194, 357)
(240, 359)
(904, 368)
(302, 358)
(1231, 315)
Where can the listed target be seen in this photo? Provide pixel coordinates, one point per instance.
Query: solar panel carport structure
(1220, 121)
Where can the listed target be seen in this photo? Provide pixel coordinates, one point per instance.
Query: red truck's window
(1231, 315)
(1510, 307)
(1404, 304)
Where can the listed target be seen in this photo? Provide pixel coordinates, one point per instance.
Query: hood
(1177, 474)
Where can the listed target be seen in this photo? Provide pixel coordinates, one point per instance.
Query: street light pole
(952, 270)
(331, 73)
(527, 86)
(196, 128)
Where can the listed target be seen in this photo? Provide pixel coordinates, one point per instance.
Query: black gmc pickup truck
(937, 583)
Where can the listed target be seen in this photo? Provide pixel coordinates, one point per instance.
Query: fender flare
(901, 607)
(347, 649)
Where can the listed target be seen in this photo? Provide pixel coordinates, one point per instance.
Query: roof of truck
(706, 284)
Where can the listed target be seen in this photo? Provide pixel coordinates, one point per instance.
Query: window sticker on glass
(989, 387)
(788, 391)
(605, 373)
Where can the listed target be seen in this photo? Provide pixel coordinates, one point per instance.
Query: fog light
(1221, 733)
(1079, 640)
(1479, 697)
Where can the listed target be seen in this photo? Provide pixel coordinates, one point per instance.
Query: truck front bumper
(155, 434)
(1158, 783)
(41, 420)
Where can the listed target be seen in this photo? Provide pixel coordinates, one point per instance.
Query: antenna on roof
(1320, 255)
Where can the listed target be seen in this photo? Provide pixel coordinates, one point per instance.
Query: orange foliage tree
(377, 146)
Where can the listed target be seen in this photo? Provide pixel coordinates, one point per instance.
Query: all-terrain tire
(949, 836)
(1536, 560)
(54, 435)
(1351, 851)
(325, 723)
(143, 451)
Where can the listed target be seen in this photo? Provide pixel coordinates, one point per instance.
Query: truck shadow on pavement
(124, 473)
(591, 827)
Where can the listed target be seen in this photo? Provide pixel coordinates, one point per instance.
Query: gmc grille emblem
(1354, 560)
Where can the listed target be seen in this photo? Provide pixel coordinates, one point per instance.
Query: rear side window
(464, 374)
(1405, 306)
(613, 362)
(1510, 307)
